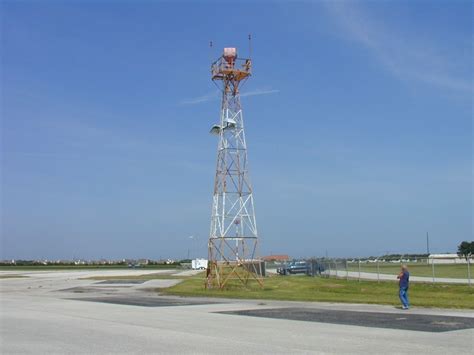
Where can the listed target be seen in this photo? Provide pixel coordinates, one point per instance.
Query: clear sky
(358, 122)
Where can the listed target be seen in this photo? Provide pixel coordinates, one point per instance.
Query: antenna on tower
(250, 46)
(210, 51)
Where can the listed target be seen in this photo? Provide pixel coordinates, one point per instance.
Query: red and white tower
(233, 236)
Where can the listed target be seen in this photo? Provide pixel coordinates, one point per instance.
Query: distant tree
(466, 248)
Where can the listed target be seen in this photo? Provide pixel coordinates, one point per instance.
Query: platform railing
(221, 66)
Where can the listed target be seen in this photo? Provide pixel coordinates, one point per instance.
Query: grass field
(303, 288)
(451, 271)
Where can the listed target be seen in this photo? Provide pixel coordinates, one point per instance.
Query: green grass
(303, 288)
(452, 271)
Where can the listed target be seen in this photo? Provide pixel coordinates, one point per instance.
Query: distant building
(446, 259)
(7, 262)
(279, 258)
(199, 264)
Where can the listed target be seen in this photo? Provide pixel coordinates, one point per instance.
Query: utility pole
(427, 244)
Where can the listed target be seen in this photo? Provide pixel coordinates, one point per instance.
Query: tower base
(230, 274)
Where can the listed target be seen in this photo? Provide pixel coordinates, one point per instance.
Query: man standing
(404, 277)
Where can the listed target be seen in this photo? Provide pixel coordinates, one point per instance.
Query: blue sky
(358, 122)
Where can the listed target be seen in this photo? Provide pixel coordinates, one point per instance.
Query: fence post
(469, 270)
(347, 272)
(335, 264)
(378, 273)
(433, 269)
(359, 269)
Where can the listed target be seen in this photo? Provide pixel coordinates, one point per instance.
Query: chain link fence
(421, 270)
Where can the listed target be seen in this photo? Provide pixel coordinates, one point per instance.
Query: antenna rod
(210, 50)
(250, 46)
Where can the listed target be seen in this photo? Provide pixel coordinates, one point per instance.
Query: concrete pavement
(48, 313)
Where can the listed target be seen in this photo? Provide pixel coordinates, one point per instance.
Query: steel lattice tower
(233, 236)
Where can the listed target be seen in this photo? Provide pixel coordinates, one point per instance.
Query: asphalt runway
(147, 301)
(60, 312)
(418, 322)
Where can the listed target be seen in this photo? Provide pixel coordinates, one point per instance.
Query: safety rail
(239, 67)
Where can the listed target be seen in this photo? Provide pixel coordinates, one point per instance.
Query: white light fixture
(216, 129)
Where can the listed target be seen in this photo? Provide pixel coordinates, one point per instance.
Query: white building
(447, 259)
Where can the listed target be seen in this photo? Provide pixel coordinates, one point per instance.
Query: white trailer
(199, 264)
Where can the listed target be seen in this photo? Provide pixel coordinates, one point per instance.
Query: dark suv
(295, 267)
